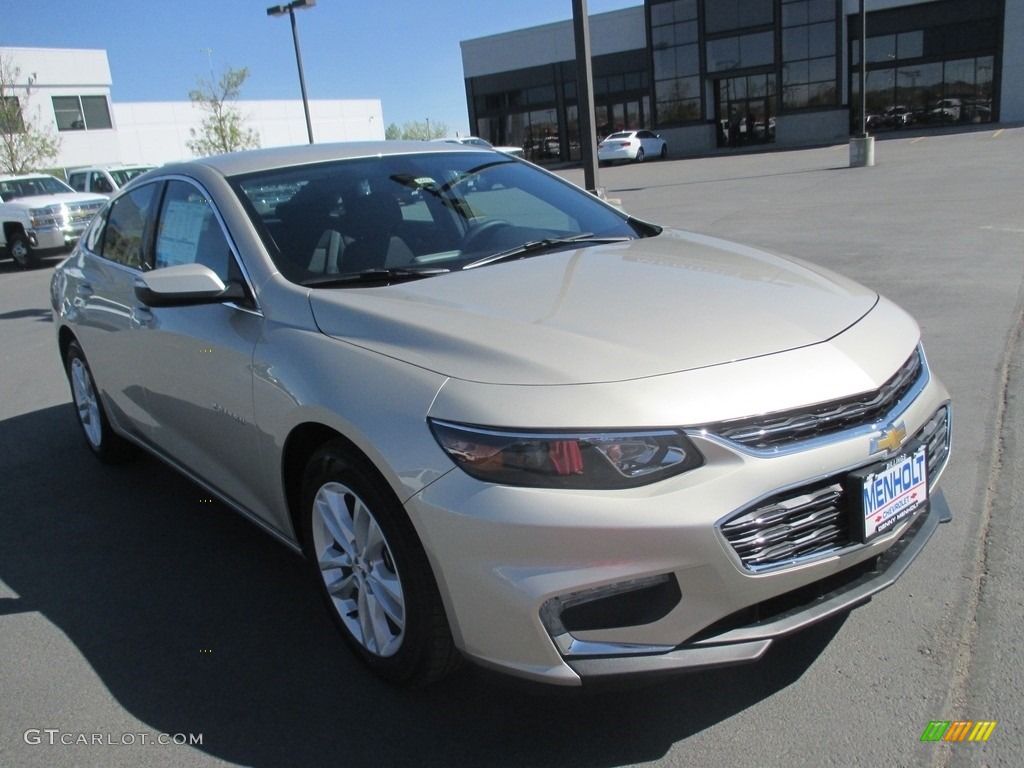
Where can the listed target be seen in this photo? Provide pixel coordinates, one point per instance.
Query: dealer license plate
(892, 492)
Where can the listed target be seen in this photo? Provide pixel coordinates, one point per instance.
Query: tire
(373, 571)
(21, 251)
(108, 446)
(664, 151)
(639, 156)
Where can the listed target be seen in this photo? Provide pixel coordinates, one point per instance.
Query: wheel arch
(12, 228)
(302, 442)
(64, 338)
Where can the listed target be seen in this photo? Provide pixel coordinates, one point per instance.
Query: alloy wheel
(358, 569)
(86, 402)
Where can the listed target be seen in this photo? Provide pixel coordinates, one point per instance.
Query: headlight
(52, 216)
(595, 460)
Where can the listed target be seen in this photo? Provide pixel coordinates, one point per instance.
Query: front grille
(797, 524)
(814, 519)
(79, 213)
(783, 428)
(936, 434)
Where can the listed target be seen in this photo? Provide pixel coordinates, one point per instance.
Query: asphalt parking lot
(131, 607)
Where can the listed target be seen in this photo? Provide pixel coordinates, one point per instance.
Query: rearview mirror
(184, 285)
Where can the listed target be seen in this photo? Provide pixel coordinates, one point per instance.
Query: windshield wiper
(546, 244)
(376, 275)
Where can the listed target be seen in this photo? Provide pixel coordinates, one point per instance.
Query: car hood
(659, 305)
(60, 198)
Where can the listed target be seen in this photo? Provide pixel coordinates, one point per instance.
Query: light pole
(585, 94)
(281, 10)
(862, 146)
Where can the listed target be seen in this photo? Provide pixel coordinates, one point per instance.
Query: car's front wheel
(21, 251)
(108, 446)
(374, 573)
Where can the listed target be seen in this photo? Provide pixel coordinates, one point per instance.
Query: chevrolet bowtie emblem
(892, 437)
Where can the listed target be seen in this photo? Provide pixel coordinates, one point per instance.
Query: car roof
(237, 163)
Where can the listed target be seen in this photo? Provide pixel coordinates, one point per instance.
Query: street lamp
(281, 10)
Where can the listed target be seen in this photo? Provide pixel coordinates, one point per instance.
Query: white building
(69, 91)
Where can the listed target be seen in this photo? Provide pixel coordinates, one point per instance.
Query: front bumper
(667, 590)
(56, 238)
(737, 642)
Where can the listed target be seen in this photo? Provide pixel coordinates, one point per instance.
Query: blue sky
(403, 52)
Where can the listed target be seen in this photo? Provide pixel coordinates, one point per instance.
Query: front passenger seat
(373, 222)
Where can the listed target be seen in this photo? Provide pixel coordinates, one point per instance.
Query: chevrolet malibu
(503, 420)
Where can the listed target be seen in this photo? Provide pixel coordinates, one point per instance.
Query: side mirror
(184, 285)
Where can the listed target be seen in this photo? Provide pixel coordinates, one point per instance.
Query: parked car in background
(105, 180)
(897, 117)
(473, 141)
(631, 146)
(503, 419)
(41, 215)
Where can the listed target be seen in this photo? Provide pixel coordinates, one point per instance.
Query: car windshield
(416, 215)
(33, 186)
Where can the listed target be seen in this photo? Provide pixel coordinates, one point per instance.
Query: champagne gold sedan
(505, 421)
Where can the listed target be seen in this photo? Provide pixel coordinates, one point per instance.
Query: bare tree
(223, 129)
(25, 143)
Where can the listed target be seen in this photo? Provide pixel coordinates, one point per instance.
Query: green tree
(25, 144)
(223, 129)
(417, 131)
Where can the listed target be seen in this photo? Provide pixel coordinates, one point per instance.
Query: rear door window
(123, 237)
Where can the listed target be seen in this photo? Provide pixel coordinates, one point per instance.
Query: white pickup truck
(40, 215)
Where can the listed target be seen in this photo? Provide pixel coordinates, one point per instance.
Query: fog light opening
(623, 604)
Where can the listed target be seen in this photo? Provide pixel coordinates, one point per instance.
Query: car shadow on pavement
(196, 622)
(43, 315)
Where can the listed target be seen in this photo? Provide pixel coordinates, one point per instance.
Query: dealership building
(710, 74)
(68, 92)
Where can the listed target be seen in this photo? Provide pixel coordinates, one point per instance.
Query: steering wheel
(481, 233)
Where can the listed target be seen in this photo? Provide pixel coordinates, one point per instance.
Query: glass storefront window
(795, 44)
(741, 52)
(823, 69)
(794, 14)
(910, 45)
(881, 49)
(676, 10)
(809, 50)
(795, 96)
(822, 39)
(725, 15)
(757, 50)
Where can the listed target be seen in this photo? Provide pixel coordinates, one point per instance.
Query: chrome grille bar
(780, 429)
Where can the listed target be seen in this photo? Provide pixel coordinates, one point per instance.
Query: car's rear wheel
(373, 571)
(108, 446)
(639, 155)
(21, 251)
